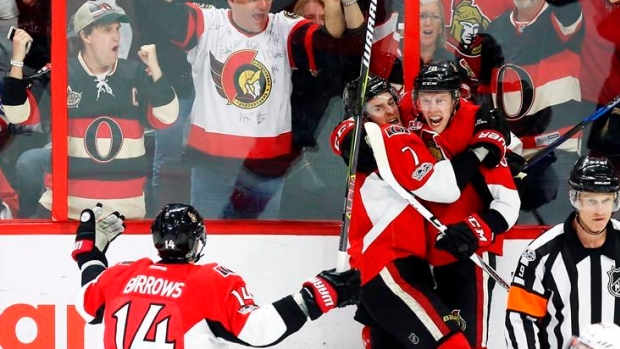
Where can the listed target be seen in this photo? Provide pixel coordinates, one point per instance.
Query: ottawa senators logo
(455, 316)
(467, 20)
(242, 80)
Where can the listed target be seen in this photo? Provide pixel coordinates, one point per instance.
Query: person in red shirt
(177, 303)
(388, 243)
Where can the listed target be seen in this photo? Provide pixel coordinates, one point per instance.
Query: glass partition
(239, 123)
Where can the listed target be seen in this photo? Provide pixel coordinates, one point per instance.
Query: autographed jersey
(243, 81)
(180, 306)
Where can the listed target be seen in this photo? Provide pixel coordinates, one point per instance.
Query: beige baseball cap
(97, 11)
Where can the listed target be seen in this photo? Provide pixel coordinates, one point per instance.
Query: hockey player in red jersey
(398, 303)
(487, 207)
(177, 303)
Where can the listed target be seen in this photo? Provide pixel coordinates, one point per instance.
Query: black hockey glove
(330, 289)
(463, 239)
(493, 119)
(495, 145)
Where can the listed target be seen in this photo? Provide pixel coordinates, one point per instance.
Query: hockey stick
(580, 126)
(378, 147)
(341, 264)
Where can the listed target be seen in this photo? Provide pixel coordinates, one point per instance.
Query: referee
(569, 277)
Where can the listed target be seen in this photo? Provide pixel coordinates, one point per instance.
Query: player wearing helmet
(177, 303)
(487, 204)
(388, 242)
(568, 277)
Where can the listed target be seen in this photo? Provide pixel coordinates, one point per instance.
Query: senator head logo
(241, 79)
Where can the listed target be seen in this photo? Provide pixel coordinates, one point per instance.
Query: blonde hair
(301, 3)
(442, 38)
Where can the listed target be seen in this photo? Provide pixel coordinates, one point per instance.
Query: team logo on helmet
(242, 80)
(614, 282)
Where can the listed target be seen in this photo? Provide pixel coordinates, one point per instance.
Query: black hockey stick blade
(378, 148)
(580, 126)
(341, 264)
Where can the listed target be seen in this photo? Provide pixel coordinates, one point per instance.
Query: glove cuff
(319, 296)
(483, 232)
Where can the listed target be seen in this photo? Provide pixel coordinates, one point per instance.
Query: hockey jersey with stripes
(560, 287)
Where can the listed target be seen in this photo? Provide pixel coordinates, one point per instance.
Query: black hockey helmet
(179, 233)
(594, 174)
(374, 87)
(439, 76)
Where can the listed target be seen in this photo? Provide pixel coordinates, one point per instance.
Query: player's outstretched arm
(268, 325)
(92, 240)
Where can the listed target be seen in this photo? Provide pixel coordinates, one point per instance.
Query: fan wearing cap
(568, 277)
(110, 101)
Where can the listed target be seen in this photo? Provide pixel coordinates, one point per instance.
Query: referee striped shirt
(560, 287)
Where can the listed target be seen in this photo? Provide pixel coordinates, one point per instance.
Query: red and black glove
(463, 239)
(329, 290)
(93, 234)
(86, 233)
(494, 143)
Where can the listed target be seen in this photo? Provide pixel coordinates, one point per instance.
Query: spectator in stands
(313, 10)
(8, 16)
(432, 32)
(316, 108)
(240, 139)
(600, 74)
(109, 101)
(538, 88)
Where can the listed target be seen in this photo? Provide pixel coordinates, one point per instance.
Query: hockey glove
(86, 232)
(463, 239)
(494, 143)
(330, 289)
(493, 119)
(342, 138)
(108, 229)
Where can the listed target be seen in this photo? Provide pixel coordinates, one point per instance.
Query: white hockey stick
(343, 257)
(378, 147)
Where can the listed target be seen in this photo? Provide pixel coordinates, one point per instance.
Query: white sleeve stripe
(91, 263)
(506, 202)
(412, 303)
(263, 326)
(79, 303)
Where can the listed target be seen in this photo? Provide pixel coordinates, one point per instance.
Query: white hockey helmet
(598, 336)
